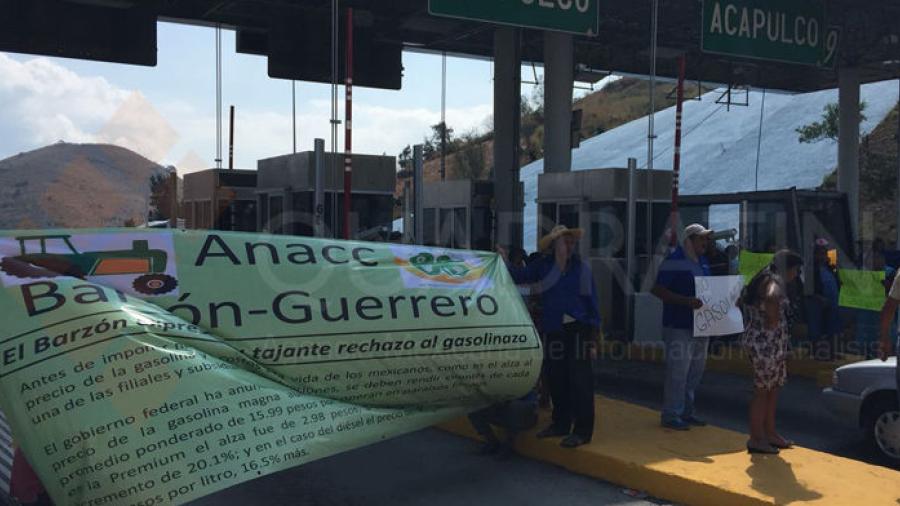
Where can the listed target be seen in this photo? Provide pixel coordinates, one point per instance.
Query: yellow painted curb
(730, 359)
(706, 466)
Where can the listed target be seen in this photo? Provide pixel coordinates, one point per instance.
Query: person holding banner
(825, 320)
(570, 316)
(685, 353)
(766, 306)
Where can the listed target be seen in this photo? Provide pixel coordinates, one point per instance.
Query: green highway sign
(575, 16)
(790, 31)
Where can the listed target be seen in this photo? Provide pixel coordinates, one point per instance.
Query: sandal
(787, 445)
(765, 450)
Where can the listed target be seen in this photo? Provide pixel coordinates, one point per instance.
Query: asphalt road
(723, 399)
(428, 468)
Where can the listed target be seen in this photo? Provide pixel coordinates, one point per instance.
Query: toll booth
(597, 202)
(220, 199)
(286, 195)
(457, 214)
(771, 220)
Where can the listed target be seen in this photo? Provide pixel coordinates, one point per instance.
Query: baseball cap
(696, 229)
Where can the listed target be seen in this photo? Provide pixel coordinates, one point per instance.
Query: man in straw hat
(685, 353)
(571, 321)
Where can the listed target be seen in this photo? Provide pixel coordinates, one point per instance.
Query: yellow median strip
(706, 466)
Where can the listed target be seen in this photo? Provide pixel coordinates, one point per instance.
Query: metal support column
(319, 186)
(848, 142)
(559, 74)
(508, 200)
(630, 258)
(418, 191)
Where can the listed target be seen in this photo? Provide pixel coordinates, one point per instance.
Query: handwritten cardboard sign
(719, 315)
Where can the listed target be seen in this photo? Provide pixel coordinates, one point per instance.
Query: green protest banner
(751, 263)
(163, 366)
(862, 289)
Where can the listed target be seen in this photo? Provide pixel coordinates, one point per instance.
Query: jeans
(571, 379)
(685, 362)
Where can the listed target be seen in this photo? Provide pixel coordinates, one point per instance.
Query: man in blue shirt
(685, 354)
(570, 317)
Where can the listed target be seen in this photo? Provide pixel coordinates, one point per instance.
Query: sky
(168, 112)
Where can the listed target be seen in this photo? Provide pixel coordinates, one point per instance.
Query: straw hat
(557, 232)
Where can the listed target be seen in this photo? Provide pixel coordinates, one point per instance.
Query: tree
(405, 158)
(432, 145)
(161, 198)
(828, 127)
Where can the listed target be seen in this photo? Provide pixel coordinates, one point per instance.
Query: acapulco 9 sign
(789, 31)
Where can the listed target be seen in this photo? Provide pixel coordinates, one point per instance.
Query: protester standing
(825, 320)
(685, 353)
(570, 318)
(767, 308)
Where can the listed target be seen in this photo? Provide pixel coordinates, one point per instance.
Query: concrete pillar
(848, 142)
(508, 201)
(559, 73)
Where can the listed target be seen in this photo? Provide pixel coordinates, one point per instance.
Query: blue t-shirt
(677, 274)
(571, 293)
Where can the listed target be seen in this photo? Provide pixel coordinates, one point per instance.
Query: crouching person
(511, 416)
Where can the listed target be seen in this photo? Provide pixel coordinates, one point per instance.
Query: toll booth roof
(869, 37)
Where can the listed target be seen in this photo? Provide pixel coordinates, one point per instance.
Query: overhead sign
(575, 16)
(790, 31)
(156, 367)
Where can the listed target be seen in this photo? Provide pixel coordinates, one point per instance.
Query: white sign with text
(719, 315)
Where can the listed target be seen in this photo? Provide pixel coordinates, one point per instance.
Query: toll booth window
(481, 229)
(302, 216)
(768, 224)
(547, 218)
(460, 228)
(264, 211)
(446, 237)
(568, 215)
(189, 215)
(607, 229)
(661, 214)
(222, 220)
(243, 216)
(205, 215)
(372, 215)
(428, 227)
(276, 214)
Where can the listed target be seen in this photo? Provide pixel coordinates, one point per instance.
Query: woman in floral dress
(767, 311)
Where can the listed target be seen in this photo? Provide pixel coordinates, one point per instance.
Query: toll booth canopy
(597, 202)
(287, 187)
(220, 199)
(457, 214)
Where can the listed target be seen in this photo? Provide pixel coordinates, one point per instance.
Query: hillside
(719, 153)
(877, 181)
(617, 103)
(75, 186)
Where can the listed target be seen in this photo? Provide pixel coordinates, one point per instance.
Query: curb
(706, 466)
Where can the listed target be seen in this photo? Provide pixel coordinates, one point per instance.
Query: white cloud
(45, 102)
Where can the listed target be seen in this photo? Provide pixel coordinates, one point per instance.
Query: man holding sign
(685, 351)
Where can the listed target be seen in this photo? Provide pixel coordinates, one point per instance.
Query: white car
(865, 395)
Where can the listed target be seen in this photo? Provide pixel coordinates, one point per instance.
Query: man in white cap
(685, 353)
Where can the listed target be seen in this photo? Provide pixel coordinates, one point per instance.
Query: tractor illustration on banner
(35, 261)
